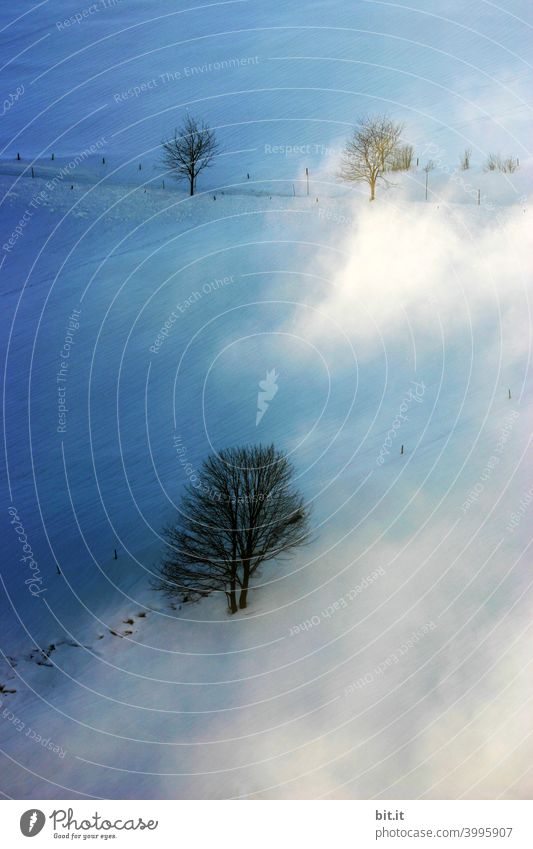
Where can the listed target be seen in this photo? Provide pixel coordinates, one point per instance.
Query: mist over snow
(387, 346)
(394, 266)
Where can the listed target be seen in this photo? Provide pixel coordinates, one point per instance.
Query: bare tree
(370, 151)
(465, 158)
(190, 150)
(241, 511)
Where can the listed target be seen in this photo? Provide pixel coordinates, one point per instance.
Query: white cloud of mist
(452, 718)
(462, 266)
(449, 719)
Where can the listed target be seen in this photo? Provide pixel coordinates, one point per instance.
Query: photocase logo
(32, 822)
(267, 390)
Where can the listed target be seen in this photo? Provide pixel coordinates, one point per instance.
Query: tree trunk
(191, 186)
(244, 586)
(373, 190)
(232, 597)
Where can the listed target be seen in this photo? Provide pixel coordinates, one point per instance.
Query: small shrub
(465, 159)
(509, 165)
(402, 158)
(496, 162)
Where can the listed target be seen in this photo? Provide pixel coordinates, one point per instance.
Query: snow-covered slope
(389, 658)
(267, 75)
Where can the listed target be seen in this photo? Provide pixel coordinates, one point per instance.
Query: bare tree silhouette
(190, 150)
(242, 510)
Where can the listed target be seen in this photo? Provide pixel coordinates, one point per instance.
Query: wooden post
(140, 166)
(509, 394)
(116, 556)
(401, 452)
(18, 157)
(103, 160)
(53, 157)
(307, 180)
(32, 172)
(293, 190)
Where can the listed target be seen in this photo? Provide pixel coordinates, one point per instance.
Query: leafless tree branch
(191, 149)
(242, 511)
(370, 151)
